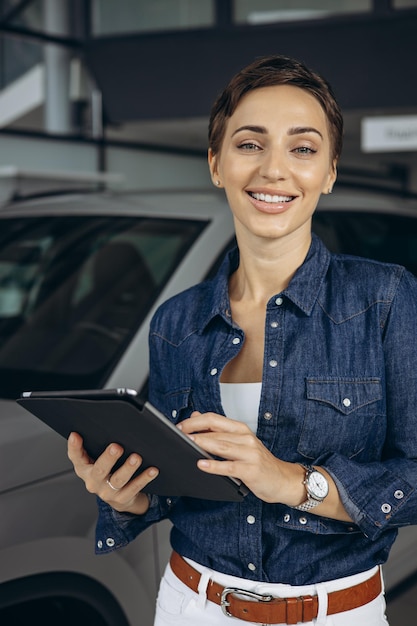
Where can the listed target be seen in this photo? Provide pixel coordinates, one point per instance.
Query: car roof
(194, 204)
(346, 198)
(169, 203)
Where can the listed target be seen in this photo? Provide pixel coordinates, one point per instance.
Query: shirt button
(99, 544)
(252, 567)
(346, 402)
(287, 517)
(236, 341)
(279, 301)
(174, 413)
(267, 415)
(398, 494)
(303, 520)
(386, 508)
(169, 501)
(274, 324)
(250, 519)
(110, 542)
(273, 363)
(213, 371)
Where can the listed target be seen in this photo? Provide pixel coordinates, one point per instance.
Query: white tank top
(240, 402)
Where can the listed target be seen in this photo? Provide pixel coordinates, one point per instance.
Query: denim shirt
(339, 390)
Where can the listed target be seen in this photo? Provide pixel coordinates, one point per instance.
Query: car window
(379, 236)
(74, 289)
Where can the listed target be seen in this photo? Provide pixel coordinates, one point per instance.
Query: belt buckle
(224, 603)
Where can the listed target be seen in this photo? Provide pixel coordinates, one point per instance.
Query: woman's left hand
(245, 457)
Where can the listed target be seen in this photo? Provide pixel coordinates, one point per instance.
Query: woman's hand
(118, 489)
(246, 458)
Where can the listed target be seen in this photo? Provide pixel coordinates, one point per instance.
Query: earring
(217, 183)
(330, 190)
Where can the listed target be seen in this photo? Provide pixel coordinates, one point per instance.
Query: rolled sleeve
(115, 530)
(375, 496)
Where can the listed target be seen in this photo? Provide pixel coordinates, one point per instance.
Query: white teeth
(266, 197)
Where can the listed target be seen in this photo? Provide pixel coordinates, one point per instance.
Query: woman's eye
(305, 150)
(249, 146)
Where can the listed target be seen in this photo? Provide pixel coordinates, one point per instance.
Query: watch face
(318, 485)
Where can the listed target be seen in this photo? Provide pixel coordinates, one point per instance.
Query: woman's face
(275, 161)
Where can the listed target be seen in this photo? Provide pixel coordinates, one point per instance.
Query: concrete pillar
(58, 114)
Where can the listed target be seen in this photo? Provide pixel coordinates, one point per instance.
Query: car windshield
(73, 290)
(379, 236)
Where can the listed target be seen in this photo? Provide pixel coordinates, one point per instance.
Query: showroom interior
(117, 87)
(121, 90)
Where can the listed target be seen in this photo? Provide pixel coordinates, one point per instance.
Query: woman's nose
(273, 165)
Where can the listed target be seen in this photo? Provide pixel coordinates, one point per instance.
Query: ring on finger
(112, 486)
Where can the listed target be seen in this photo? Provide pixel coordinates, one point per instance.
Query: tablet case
(118, 416)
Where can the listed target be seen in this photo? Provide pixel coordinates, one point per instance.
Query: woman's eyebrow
(253, 129)
(301, 130)
(261, 130)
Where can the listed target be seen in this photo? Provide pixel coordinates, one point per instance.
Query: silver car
(80, 277)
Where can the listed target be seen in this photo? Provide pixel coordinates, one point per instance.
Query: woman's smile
(271, 201)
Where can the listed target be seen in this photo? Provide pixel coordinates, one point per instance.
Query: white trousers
(177, 605)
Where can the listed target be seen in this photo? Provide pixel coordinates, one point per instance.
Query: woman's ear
(331, 178)
(212, 162)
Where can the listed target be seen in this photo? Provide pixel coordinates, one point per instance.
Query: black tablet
(119, 416)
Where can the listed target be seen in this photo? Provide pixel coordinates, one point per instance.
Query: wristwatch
(317, 488)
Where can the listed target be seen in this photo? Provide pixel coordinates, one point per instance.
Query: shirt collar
(303, 289)
(306, 283)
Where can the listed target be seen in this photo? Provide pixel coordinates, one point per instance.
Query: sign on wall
(395, 133)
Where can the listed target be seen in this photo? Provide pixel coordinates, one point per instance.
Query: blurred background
(107, 209)
(127, 86)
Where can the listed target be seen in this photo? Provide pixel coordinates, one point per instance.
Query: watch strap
(309, 504)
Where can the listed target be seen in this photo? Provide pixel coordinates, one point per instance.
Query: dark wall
(370, 62)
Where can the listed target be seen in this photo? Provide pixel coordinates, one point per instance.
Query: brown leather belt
(270, 610)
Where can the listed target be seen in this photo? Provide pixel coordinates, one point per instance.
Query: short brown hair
(267, 72)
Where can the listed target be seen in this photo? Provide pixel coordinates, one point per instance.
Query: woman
(311, 356)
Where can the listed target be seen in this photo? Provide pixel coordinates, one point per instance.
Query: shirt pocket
(339, 415)
(177, 405)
